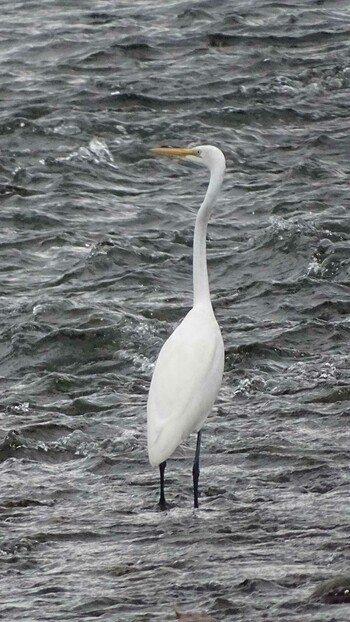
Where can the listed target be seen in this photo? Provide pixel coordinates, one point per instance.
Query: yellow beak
(174, 152)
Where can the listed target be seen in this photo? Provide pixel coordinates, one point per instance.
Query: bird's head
(204, 155)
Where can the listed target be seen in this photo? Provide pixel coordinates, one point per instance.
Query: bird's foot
(163, 506)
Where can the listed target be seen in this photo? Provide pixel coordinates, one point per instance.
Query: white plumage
(185, 383)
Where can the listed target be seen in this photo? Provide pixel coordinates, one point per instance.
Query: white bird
(188, 373)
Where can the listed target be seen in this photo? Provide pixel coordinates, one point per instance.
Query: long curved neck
(201, 292)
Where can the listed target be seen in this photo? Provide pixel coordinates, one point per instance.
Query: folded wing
(185, 383)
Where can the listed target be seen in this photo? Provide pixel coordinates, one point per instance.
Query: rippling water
(96, 253)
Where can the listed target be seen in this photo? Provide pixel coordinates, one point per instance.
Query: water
(96, 254)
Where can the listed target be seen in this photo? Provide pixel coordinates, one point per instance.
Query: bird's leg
(195, 469)
(162, 503)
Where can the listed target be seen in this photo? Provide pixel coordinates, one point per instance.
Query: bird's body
(177, 407)
(188, 372)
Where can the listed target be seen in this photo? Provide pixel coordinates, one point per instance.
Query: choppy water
(95, 252)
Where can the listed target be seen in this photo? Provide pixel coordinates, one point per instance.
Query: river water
(96, 259)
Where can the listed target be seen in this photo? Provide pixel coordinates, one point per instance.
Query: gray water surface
(96, 260)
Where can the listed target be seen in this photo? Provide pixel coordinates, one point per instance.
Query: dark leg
(162, 503)
(195, 470)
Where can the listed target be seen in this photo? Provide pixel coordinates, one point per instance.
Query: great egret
(188, 373)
